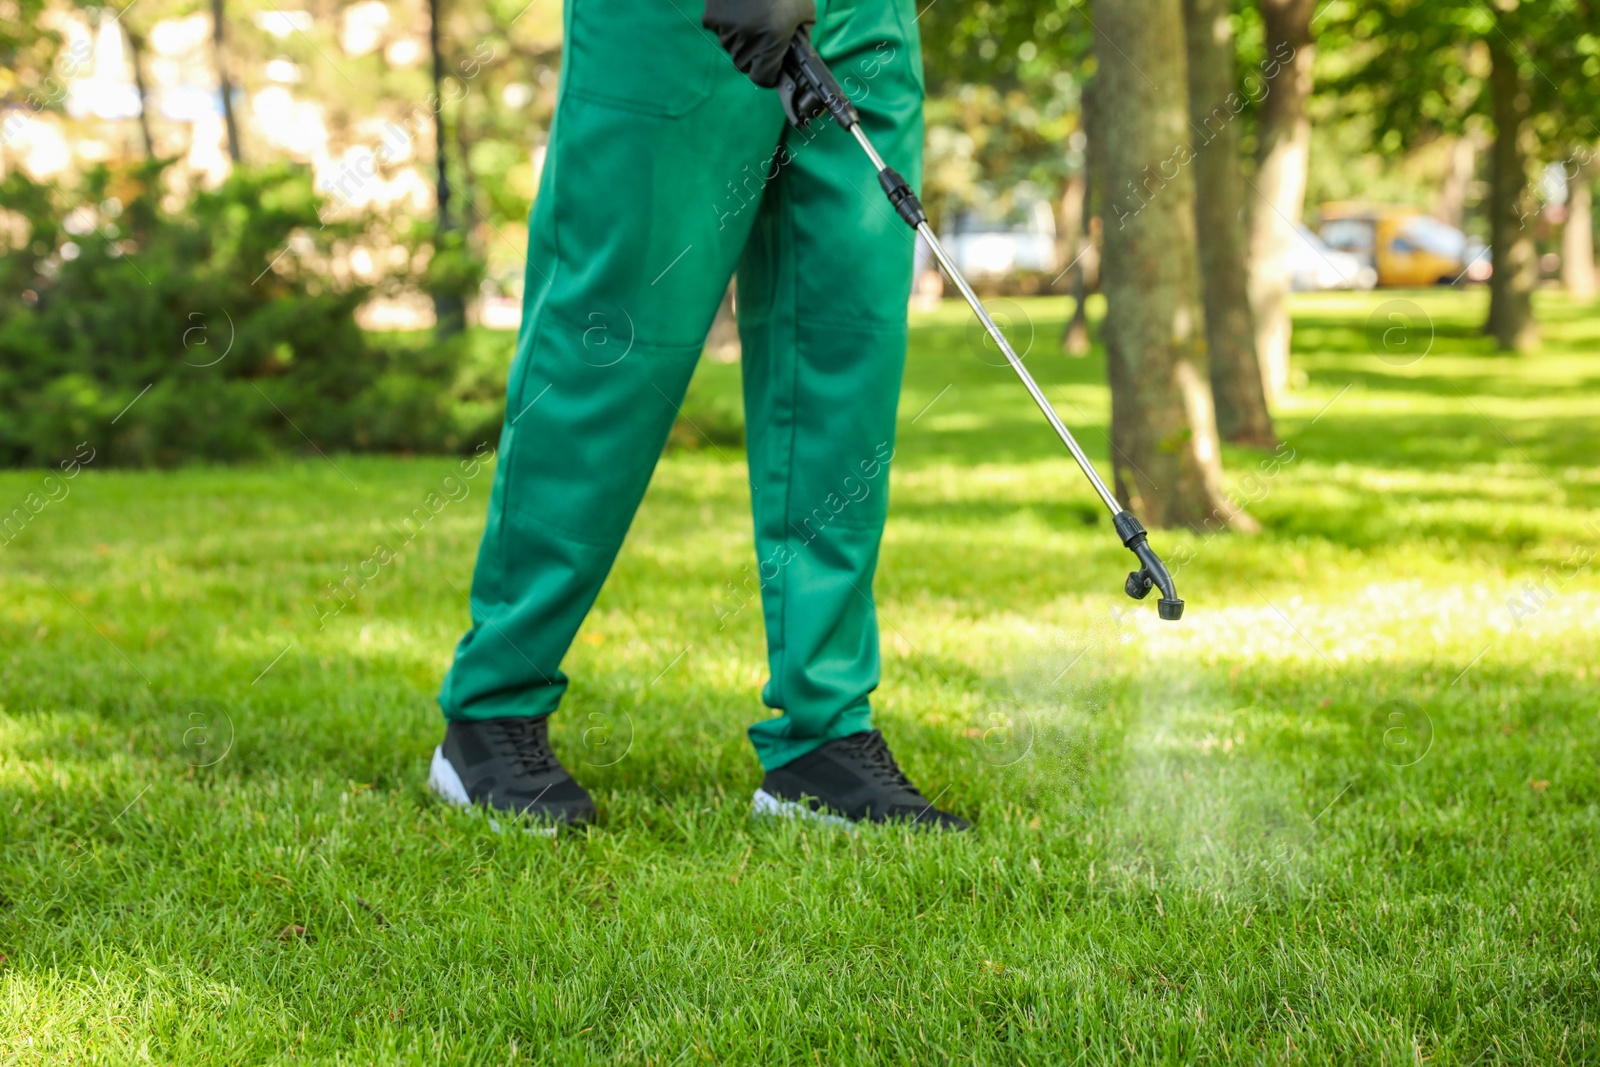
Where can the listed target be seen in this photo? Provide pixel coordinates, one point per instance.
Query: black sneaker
(851, 779)
(506, 765)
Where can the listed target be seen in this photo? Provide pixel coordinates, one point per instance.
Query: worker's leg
(631, 246)
(823, 288)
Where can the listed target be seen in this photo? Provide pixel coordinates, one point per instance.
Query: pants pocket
(651, 57)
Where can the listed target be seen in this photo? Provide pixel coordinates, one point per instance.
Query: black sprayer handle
(807, 87)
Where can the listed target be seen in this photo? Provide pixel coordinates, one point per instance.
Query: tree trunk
(1069, 224)
(467, 191)
(1086, 257)
(722, 343)
(1282, 155)
(1236, 380)
(1461, 164)
(1163, 431)
(449, 309)
(136, 59)
(224, 86)
(1075, 338)
(1516, 261)
(1577, 236)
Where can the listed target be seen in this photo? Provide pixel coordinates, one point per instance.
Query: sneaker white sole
(765, 805)
(446, 783)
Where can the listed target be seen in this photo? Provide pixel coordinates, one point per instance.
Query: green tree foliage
(33, 72)
(1418, 70)
(1005, 85)
(1421, 68)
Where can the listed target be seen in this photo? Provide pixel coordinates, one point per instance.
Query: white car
(1314, 265)
(985, 246)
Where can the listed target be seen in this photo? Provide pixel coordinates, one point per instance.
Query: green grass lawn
(1345, 811)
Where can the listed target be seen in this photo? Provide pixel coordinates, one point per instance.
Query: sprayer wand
(808, 90)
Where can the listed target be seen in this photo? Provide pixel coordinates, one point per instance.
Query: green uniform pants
(666, 171)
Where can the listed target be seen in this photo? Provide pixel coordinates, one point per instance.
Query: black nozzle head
(1138, 585)
(1153, 574)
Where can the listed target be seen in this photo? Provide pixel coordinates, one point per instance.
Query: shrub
(221, 330)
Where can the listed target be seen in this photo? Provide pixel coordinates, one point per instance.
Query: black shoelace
(526, 743)
(877, 760)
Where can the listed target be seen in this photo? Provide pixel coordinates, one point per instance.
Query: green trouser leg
(666, 170)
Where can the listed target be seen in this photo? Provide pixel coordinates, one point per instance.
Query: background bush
(227, 324)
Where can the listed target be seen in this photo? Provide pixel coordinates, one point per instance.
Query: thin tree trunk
(1461, 163)
(136, 58)
(449, 309)
(1516, 262)
(468, 190)
(1577, 236)
(1163, 431)
(1282, 155)
(722, 343)
(224, 86)
(1069, 228)
(1236, 380)
(467, 211)
(440, 154)
(1075, 339)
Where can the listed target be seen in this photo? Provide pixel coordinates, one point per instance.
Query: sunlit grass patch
(1345, 811)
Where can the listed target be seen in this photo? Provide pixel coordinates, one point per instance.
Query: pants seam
(786, 251)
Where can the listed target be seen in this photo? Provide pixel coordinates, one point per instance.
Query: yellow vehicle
(1406, 247)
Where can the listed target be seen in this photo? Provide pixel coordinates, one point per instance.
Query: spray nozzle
(1152, 572)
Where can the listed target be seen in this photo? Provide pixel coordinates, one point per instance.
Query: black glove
(756, 33)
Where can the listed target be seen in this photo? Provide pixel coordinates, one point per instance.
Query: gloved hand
(756, 33)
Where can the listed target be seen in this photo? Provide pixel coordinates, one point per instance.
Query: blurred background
(333, 196)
